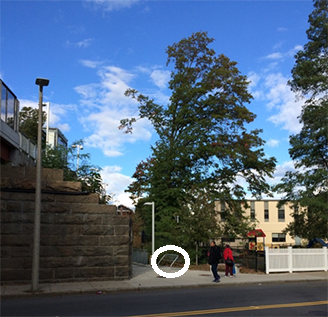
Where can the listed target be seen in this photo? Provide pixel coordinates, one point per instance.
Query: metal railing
(173, 257)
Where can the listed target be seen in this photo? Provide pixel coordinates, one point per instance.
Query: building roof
(122, 208)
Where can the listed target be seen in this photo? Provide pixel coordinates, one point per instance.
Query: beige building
(271, 220)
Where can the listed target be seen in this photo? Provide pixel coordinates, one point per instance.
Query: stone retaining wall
(80, 239)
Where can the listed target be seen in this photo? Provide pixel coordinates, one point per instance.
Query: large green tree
(307, 186)
(28, 122)
(204, 145)
(197, 223)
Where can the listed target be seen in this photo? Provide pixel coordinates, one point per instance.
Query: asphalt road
(283, 299)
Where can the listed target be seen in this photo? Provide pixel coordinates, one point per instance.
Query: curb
(29, 294)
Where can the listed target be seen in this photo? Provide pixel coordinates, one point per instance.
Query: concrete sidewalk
(144, 278)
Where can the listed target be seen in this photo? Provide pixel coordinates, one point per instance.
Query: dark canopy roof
(256, 233)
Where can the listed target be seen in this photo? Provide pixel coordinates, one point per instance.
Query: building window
(3, 103)
(278, 237)
(252, 210)
(223, 211)
(266, 211)
(281, 214)
(9, 107)
(10, 110)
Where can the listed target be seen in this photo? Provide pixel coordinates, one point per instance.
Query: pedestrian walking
(214, 258)
(229, 261)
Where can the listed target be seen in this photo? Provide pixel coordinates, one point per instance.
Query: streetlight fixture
(78, 147)
(152, 204)
(41, 82)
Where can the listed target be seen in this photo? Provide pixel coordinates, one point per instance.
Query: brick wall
(80, 239)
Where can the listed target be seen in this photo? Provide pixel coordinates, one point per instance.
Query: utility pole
(41, 82)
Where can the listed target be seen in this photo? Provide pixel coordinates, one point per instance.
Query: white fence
(293, 260)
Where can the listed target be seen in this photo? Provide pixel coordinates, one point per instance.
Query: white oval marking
(167, 248)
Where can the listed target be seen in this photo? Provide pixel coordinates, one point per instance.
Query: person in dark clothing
(214, 258)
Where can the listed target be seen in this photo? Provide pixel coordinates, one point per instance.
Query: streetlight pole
(78, 147)
(152, 204)
(41, 82)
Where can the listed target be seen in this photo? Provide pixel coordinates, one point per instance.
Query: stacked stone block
(80, 238)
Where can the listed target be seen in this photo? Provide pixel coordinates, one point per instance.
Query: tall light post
(41, 82)
(78, 147)
(152, 204)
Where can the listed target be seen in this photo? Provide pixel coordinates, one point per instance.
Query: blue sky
(93, 50)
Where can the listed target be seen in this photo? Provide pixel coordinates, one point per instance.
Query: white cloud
(81, 44)
(88, 91)
(105, 105)
(283, 55)
(277, 89)
(283, 168)
(116, 184)
(273, 89)
(28, 103)
(160, 78)
(271, 67)
(143, 69)
(58, 113)
(90, 64)
(283, 100)
(112, 5)
(293, 51)
(63, 127)
(253, 78)
(114, 82)
(278, 45)
(84, 43)
(74, 29)
(106, 135)
(276, 55)
(273, 143)
(281, 29)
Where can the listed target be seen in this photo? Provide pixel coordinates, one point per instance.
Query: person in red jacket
(227, 254)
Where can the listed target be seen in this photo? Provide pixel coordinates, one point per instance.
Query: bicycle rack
(174, 257)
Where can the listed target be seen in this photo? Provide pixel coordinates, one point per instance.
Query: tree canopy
(310, 70)
(28, 122)
(307, 186)
(204, 147)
